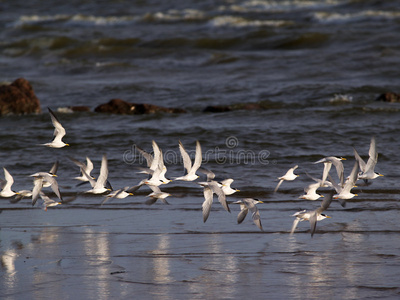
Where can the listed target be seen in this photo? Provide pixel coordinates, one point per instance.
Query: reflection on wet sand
(220, 271)
(97, 262)
(161, 267)
(10, 278)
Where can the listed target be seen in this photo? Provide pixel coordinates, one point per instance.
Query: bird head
(324, 215)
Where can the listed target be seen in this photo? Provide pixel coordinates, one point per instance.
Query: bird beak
(328, 217)
(130, 194)
(343, 158)
(54, 175)
(66, 144)
(322, 196)
(297, 175)
(381, 175)
(260, 202)
(355, 194)
(237, 190)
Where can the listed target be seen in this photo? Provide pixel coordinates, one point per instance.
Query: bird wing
(197, 159)
(54, 168)
(101, 181)
(154, 188)
(243, 213)
(227, 182)
(37, 187)
(255, 212)
(313, 222)
(89, 178)
(339, 169)
(327, 168)
(157, 158)
(295, 222)
(278, 185)
(210, 174)
(53, 184)
(9, 180)
(360, 161)
(89, 165)
(59, 130)
(146, 155)
(134, 188)
(337, 187)
(312, 188)
(220, 193)
(352, 178)
(187, 163)
(373, 157)
(208, 200)
(325, 203)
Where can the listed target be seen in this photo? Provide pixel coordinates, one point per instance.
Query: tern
(40, 179)
(289, 176)
(311, 192)
(59, 133)
(118, 194)
(367, 170)
(157, 194)
(246, 205)
(187, 163)
(88, 167)
(224, 184)
(328, 162)
(154, 162)
(211, 187)
(99, 186)
(6, 184)
(344, 193)
(312, 215)
(47, 202)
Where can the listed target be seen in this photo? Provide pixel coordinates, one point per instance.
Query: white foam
(231, 21)
(276, 6)
(328, 17)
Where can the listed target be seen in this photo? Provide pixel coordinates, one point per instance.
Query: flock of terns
(156, 171)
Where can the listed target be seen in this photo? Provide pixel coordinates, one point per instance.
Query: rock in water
(118, 106)
(18, 98)
(389, 97)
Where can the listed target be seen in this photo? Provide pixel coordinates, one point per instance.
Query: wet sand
(79, 251)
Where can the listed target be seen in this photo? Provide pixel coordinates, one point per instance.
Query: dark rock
(262, 105)
(79, 108)
(18, 98)
(217, 108)
(118, 106)
(389, 97)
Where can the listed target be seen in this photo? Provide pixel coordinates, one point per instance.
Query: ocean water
(315, 66)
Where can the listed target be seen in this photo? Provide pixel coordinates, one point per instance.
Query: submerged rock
(118, 106)
(389, 97)
(18, 98)
(262, 105)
